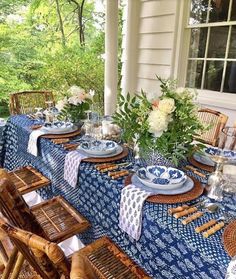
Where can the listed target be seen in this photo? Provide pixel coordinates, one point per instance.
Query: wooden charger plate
(57, 136)
(229, 239)
(188, 196)
(61, 136)
(118, 157)
(200, 165)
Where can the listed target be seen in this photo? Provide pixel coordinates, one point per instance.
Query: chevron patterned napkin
(231, 270)
(71, 166)
(131, 205)
(32, 143)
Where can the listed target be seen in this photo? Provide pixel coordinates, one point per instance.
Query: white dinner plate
(203, 159)
(118, 150)
(186, 187)
(61, 130)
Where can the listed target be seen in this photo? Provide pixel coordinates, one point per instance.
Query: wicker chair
(53, 219)
(101, 259)
(25, 102)
(216, 121)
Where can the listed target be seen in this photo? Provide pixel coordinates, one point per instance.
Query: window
(212, 49)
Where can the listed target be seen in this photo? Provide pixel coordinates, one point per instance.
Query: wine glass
(217, 181)
(39, 114)
(87, 128)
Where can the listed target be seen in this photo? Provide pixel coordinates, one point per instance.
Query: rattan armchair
(54, 219)
(216, 122)
(25, 102)
(101, 259)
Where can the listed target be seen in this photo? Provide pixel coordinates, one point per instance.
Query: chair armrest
(81, 268)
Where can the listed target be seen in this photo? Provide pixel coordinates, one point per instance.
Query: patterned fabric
(166, 249)
(33, 140)
(231, 270)
(71, 166)
(131, 205)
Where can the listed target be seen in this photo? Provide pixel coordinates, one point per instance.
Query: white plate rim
(119, 150)
(176, 191)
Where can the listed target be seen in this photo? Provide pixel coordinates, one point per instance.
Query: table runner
(166, 248)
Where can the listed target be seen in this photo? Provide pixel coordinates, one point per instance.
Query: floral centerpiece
(167, 124)
(74, 104)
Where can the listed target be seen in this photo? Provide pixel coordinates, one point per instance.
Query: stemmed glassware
(217, 181)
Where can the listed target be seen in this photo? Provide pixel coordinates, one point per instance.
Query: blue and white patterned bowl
(208, 153)
(161, 177)
(229, 154)
(58, 127)
(99, 147)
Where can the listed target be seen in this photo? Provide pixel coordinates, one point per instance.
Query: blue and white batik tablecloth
(166, 248)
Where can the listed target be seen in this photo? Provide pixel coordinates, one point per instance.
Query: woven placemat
(118, 157)
(200, 165)
(57, 136)
(229, 239)
(188, 196)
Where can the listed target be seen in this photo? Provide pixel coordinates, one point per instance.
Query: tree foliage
(50, 44)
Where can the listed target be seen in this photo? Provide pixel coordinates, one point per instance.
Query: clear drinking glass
(220, 181)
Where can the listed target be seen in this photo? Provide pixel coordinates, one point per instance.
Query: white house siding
(155, 43)
(157, 49)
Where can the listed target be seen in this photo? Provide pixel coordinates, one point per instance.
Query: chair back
(25, 102)
(14, 207)
(216, 122)
(49, 257)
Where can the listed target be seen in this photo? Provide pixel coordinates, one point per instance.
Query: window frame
(183, 33)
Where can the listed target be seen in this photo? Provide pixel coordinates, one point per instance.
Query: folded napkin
(71, 166)
(131, 205)
(33, 139)
(231, 270)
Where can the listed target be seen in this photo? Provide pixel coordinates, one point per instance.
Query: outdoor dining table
(166, 248)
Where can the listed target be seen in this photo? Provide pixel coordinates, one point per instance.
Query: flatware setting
(196, 211)
(210, 208)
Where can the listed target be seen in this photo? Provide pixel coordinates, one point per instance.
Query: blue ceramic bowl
(99, 147)
(160, 177)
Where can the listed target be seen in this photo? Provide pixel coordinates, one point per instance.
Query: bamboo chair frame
(217, 122)
(49, 257)
(25, 102)
(54, 219)
(88, 263)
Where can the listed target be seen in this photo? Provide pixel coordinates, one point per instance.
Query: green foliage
(174, 140)
(32, 55)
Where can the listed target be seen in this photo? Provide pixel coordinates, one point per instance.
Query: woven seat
(106, 261)
(216, 122)
(101, 259)
(59, 219)
(25, 102)
(54, 219)
(27, 179)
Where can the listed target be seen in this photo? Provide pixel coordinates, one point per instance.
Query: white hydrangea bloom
(158, 122)
(76, 99)
(61, 104)
(167, 105)
(74, 90)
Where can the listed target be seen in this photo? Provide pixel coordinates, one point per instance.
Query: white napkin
(71, 166)
(33, 139)
(231, 270)
(131, 205)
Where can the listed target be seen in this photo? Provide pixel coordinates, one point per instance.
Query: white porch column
(130, 47)
(111, 59)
